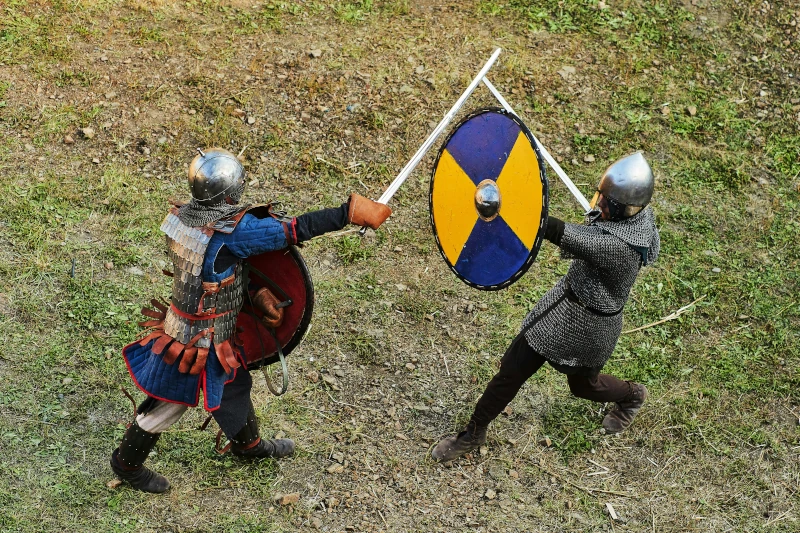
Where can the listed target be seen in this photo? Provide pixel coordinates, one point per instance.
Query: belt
(572, 297)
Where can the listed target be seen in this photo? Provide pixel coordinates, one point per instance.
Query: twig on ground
(587, 490)
(667, 318)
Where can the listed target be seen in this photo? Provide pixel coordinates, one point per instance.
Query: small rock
(400, 287)
(288, 499)
(483, 450)
(338, 457)
(162, 140)
(313, 376)
(691, 110)
(507, 411)
(665, 110)
(546, 442)
(114, 483)
(588, 159)
(103, 58)
(96, 161)
(335, 469)
(398, 248)
(420, 69)
(251, 120)
(410, 366)
(331, 381)
(567, 71)
(401, 436)
(339, 373)
(490, 494)
(109, 265)
(352, 107)
(513, 474)
(66, 381)
(716, 270)
(135, 271)
(305, 117)
(316, 523)
(111, 95)
(332, 502)
(68, 139)
(316, 52)
(87, 133)
(280, 435)
(238, 113)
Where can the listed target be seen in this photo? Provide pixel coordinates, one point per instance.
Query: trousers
(156, 416)
(520, 362)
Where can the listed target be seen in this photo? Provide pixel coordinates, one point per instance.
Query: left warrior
(192, 346)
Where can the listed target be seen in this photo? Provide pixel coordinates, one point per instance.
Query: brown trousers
(520, 362)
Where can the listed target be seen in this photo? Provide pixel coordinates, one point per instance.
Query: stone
(288, 499)
(87, 133)
(410, 366)
(490, 494)
(68, 139)
(316, 52)
(109, 265)
(691, 110)
(335, 469)
(588, 158)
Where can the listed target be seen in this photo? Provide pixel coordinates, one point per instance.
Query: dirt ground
(102, 105)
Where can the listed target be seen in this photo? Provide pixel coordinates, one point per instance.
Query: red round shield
(285, 274)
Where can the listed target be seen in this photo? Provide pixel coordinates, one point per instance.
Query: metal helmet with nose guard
(626, 186)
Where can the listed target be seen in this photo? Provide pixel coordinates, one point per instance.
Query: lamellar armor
(200, 312)
(193, 299)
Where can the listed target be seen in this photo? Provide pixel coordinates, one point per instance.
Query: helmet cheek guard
(627, 185)
(215, 175)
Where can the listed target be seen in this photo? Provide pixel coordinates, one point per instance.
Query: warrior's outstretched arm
(316, 223)
(356, 210)
(577, 241)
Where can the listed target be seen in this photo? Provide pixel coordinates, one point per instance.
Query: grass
(715, 448)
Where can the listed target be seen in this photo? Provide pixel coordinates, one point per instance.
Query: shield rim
(305, 322)
(545, 200)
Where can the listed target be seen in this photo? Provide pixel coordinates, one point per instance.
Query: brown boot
(620, 418)
(455, 446)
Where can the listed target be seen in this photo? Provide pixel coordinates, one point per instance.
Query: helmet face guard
(215, 175)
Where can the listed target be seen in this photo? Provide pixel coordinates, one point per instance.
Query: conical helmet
(214, 175)
(627, 186)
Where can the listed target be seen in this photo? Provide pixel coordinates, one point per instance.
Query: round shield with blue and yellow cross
(488, 199)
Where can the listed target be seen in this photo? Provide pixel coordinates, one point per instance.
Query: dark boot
(247, 442)
(620, 418)
(455, 446)
(127, 461)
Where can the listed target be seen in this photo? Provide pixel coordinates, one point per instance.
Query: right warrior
(575, 326)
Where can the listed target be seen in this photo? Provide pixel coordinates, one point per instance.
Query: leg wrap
(136, 445)
(248, 435)
(247, 442)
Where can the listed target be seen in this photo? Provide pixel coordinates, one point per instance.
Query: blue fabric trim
(160, 380)
(252, 236)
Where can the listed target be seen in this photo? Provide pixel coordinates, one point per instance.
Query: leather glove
(365, 212)
(267, 303)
